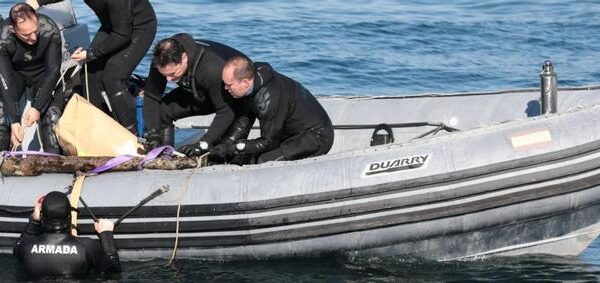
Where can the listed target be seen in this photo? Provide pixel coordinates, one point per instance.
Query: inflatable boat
(500, 180)
(464, 176)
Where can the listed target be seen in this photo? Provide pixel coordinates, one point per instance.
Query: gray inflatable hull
(506, 184)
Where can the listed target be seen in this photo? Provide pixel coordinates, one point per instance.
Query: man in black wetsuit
(127, 29)
(293, 125)
(195, 65)
(46, 247)
(30, 59)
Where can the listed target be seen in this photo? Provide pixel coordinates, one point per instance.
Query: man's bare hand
(37, 208)
(31, 116)
(79, 55)
(16, 134)
(103, 225)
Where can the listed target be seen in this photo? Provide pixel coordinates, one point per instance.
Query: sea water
(382, 47)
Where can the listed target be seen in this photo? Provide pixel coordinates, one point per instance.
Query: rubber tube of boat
(549, 88)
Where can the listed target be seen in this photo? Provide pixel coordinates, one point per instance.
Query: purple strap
(112, 163)
(153, 154)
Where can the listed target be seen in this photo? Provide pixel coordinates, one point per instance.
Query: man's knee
(273, 155)
(301, 146)
(114, 81)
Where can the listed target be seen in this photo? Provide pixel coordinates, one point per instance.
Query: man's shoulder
(6, 37)
(47, 27)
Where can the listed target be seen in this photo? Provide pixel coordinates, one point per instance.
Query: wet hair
(167, 51)
(20, 13)
(243, 67)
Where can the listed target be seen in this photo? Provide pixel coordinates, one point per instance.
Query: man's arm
(223, 113)
(9, 94)
(32, 229)
(52, 62)
(271, 115)
(106, 260)
(153, 90)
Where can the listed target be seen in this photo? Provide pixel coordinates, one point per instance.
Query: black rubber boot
(4, 138)
(48, 135)
(123, 105)
(4, 130)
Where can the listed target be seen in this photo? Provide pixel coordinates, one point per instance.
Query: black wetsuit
(293, 125)
(58, 253)
(200, 92)
(23, 67)
(127, 29)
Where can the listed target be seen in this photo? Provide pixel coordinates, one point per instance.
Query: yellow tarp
(84, 130)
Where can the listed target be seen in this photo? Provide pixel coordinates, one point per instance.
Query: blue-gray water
(387, 47)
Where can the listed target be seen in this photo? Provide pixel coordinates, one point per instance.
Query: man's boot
(169, 136)
(48, 135)
(4, 137)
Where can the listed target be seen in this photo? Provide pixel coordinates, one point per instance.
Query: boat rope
(181, 194)
(373, 126)
(87, 85)
(74, 200)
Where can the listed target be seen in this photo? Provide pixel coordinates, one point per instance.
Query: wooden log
(37, 165)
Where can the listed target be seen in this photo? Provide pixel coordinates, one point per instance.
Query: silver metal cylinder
(549, 97)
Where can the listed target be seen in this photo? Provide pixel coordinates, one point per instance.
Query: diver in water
(127, 29)
(195, 65)
(30, 58)
(293, 125)
(46, 247)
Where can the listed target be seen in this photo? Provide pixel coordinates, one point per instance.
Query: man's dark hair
(167, 51)
(21, 12)
(243, 67)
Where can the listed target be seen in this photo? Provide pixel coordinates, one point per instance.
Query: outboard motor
(382, 138)
(549, 89)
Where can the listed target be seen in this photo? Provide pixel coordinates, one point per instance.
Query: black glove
(153, 139)
(195, 149)
(223, 150)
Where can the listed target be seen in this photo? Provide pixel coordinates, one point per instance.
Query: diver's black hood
(56, 212)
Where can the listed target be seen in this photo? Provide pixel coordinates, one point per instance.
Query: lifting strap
(74, 200)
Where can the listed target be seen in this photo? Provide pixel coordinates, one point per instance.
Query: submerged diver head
(56, 211)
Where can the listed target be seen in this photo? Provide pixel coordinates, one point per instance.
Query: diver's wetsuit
(127, 29)
(205, 61)
(293, 125)
(29, 67)
(58, 253)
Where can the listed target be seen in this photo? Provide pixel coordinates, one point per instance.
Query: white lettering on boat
(53, 249)
(396, 165)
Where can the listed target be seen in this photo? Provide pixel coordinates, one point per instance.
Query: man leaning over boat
(30, 59)
(293, 125)
(195, 65)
